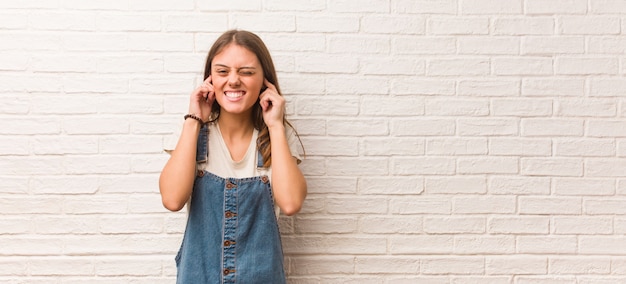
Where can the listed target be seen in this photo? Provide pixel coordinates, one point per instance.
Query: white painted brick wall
(447, 141)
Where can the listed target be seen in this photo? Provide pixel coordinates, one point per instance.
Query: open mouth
(234, 94)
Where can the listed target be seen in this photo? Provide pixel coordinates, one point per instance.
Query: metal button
(228, 271)
(265, 179)
(228, 243)
(200, 173)
(229, 214)
(230, 185)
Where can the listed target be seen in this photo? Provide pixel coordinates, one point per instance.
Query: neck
(235, 125)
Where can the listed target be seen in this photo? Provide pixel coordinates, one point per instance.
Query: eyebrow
(244, 67)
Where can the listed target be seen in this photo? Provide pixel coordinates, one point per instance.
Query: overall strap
(259, 159)
(202, 150)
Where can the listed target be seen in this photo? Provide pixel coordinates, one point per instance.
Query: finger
(270, 85)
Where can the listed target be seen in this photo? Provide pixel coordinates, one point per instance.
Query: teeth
(233, 94)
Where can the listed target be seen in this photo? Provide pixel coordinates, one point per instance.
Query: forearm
(288, 183)
(177, 178)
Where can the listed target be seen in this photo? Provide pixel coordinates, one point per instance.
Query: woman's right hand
(202, 99)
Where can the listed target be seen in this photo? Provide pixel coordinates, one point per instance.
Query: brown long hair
(253, 43)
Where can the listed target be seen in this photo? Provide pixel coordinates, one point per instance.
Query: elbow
(291, 210)
(172, 205)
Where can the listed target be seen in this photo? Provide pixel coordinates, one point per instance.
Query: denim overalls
(232, 233)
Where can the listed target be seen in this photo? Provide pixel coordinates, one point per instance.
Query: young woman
(235, 158)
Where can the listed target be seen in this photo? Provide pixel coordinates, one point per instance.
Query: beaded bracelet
(190, 115)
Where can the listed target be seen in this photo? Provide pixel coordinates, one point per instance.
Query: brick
(14, 185)
(14, 62)
(131, 225)
(63, 225)
(390, 185)
(456, 146)
(455, 185)
(422, 87)
(62, 21)
(128, 266)
(487, 127)
(479, 279)
(331, 185)
(346, 166)
(88, 84)
(61, 266)
(484, 245)
(15, 226)
(386, 264)
(318, 63)
(14, 105)
(523, 26)
(391, 106)
(308, 245)
(327, 23)
(458, 26)
(550, 205)
(397, 65)
(422, 127)
(585, 147)
(491, 7)
(13, 21)
(171, 42)
(606, 128)
(550, 45)
(13, 267)
(551, 127)
(457, 107)
(546, 245)
(421, 205)
(263, 22)
(489, 88)
(517, 265)
(520, 147)
(161, 5)
(604, 206)
(584, 187)
(582, 225)
(553, 87)
(19, 146)
(331, 146)
(108, 42)
(518, 225)
(31, 165)
(390, 225)
(235, 5)
(570, 167)
(607, 7)
(423, 45)
(359, 44)
(454, 225)
(313, 265)
(425, 7)
(607, 87)
(140, 22)
(556, 7)
(428, 244)
(357, 86)
(393, 24)
(490, 165)
(387, 147)
(484, 205)
(547, 279)
(457, 67)
(453, 265)
(586, 107)
(529, 66)
(586, 66)
(354, 6)
(578, 25)
(50, 185)
(307, 225)
(605, 167)
(422, 166)
(605, 245)
(364, 205)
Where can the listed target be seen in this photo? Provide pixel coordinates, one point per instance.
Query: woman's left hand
(273, 105)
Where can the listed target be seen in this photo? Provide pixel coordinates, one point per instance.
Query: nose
(233, 79)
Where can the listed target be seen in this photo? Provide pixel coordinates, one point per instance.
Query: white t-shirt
(220, 162)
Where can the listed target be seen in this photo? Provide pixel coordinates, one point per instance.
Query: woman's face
(237, 77)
